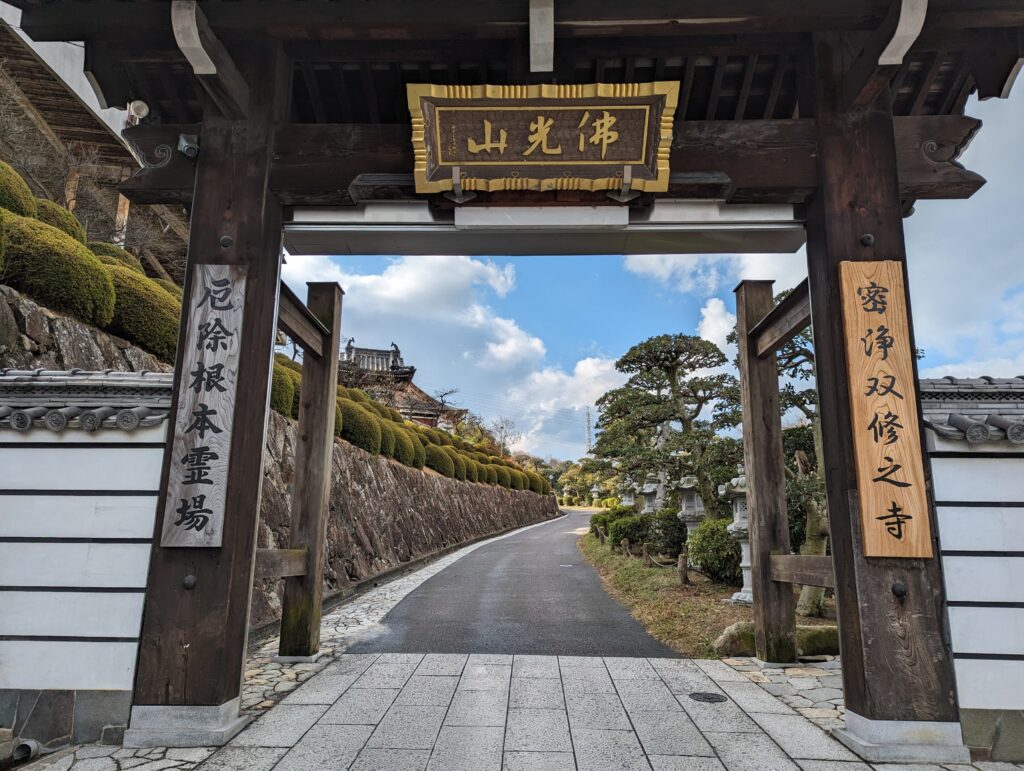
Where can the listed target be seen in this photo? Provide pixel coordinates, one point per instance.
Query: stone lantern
(691, 505)
(595, 495)
(649, 492)
(627, 491)
(735, 491)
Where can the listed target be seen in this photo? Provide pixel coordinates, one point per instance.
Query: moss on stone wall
(144, 313)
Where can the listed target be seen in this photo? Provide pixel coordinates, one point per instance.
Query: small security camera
(188, 145)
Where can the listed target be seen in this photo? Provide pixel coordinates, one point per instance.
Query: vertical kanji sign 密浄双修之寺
(883, 408)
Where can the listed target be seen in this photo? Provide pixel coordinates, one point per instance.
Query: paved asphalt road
(528, 593)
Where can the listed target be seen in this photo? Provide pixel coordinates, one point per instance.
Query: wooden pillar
(300, 617)
(774, 603)
(71, 188)
(896, 662)
(196, 616)
(121, 220)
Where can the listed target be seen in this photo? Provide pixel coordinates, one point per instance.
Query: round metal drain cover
(711, 698)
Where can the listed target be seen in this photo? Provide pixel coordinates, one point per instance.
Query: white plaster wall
(982, 543)
(74, 555)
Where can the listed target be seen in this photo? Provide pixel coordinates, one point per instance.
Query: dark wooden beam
(882, 52)
(210, 61)
(774, 603)
(807, 570)
(769, 161)
(896, 662)
(783, 322)
(301, 324)
(300, 614)
(279, 563)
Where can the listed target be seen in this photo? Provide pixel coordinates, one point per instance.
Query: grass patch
(688, 619)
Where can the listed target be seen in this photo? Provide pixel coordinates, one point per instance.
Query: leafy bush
(490, 474)
(537, 483)
(146, 315)
(504, 478)
(440, 437)
(112, 254)
(440, 461)
(379, 409)
(518, 479)
(620, 511)
(405, 453)
(598, 521)
(171, 288)
(716, 553)
(56, 271)
(54, 214)
(15, 195)
(395, 415)
(357, 395)
(472, 475)
(634, 527)
(282, 391)
(457, 462)
(387, 439)
(359, 427)
(419, 452)
(338, 419)
(668, 533)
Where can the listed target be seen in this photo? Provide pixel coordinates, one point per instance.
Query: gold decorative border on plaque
(669, 89)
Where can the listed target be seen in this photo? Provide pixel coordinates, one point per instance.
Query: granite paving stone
(719, 671)
(536, 693)
(669, 733)
(630, 669)
(321, 690)
(574, 662)
(680, 763)
(465, 748)
(535, 666)
(539, 761)
(233, 758)
(478, 708)
(749, 752)
(833, 765)
(280, 727)
(408, 728)
(802, 739)
(723, 716)
(384, 675)
(361, 705)
(537, 730)
(442, 664)
(646, 696)
(326, 746)
(598, 750)
(373, 759)
(432, 691)
(596, 710)
(751, 697)
(485, 677)
(587, 680)
(491, 659)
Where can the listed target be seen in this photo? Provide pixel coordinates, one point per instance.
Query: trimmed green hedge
(54, 214)
(458, 462)
(716, 553)
(504, 478)
(15, 195)
(144, 313)
(359, 427)
(598, 521)
(282, 391)
(112, 254)
(538, 484)
(387, 439)
(490, 474)
(668, 533)
(171, 287)
(440, 461)
(635, 528)
(419, 450)
(56, 271)
(405, 453)
(472, 475)
(338, 419)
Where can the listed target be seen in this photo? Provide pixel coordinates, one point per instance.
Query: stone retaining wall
(382, 514)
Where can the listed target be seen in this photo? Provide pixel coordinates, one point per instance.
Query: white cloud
(716, 322)
(710, 273)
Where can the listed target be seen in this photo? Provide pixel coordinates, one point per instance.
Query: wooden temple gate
(846, 111)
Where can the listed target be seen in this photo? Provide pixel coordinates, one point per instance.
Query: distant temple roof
(974, 409)
(384, 360)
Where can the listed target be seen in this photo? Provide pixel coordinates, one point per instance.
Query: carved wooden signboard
(542, 137)
(883, 408)
(201, 449)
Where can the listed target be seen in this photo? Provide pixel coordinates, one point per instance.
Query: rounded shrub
(359, 427)
(537, 482)
(395, 415)
(504, 478)
(387, 439)
(358, 395)
(54, 214)
(668, 533)
(440, 437)
(147, 316)
(112, 254)
(379, 409)
(457, 462)
(15, 195)
(440, 461)
(716, 553)
(490, 474)
(518, 479)
(598, 521)
(472, 475)
(56, 271)
(281, 390)
(338, 419)
(419, 452)
(405, 453)
(173, 289)
(635, 528)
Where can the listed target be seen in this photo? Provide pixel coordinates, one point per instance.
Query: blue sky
(535, 338)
